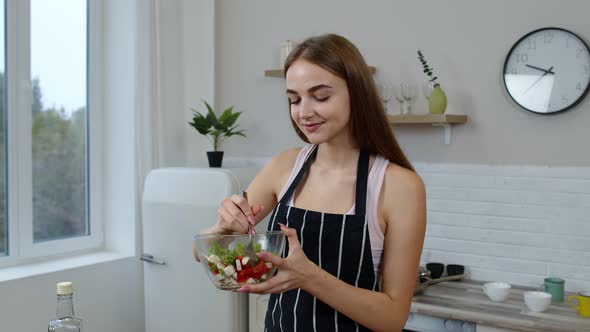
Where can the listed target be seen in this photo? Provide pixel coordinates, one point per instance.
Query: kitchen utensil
(421, 287)
(251, 231)
(385, 93)
(455, 269)
(497, 291)
(423, 275)
(409, 92)
(427, 89)
(583, 299)
(226, 262)
(436, 269)
(537, 301)
(555, 287)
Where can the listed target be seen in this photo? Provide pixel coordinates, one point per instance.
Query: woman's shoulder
(402, 187)
(286, 158)
(282, 163)
(276, 172)
(402, 176)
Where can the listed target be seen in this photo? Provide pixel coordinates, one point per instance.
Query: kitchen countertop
(465, 300)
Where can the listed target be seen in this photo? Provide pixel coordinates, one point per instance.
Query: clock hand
(541, 69)
(540, 78)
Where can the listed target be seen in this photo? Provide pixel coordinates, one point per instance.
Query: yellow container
(583, 299)
(437, 103)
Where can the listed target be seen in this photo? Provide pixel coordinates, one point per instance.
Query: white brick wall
(516, 224)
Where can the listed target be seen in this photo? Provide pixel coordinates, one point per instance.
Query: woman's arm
(262, 197)
(262, 193)
(404, 211)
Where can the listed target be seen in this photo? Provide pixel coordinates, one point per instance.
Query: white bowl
(537, 301)
(497, 291)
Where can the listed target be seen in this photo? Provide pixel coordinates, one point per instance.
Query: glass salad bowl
(230, 263)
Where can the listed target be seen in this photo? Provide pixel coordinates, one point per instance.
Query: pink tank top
(374, 183)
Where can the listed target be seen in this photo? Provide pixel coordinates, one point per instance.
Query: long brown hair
(368, 123)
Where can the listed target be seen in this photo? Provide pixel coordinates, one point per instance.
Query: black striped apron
(339, 244)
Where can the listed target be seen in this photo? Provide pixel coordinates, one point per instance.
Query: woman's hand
(294, 271)
(234, 215)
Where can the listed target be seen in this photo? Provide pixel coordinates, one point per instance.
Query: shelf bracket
(447, 128)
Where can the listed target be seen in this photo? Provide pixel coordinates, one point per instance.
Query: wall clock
(548, 71)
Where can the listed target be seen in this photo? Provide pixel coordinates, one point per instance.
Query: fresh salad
(234, 268)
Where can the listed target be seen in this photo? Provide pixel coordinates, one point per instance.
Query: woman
(349, 202)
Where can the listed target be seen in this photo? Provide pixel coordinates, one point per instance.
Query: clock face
(548, 71)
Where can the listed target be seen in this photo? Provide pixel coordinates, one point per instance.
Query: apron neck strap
(362, 175)
(361, 180)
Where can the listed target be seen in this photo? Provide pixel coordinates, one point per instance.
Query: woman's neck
(337, 156)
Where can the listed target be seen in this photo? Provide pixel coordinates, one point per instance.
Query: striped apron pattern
(337, 243)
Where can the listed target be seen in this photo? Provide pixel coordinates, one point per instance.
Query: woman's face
(319, 102)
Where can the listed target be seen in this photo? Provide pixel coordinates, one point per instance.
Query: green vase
(437, 103)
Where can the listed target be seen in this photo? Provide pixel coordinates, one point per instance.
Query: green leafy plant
(428, 70)
(217, 129)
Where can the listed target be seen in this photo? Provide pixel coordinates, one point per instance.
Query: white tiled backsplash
(516, 224)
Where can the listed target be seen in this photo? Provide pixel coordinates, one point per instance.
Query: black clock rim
(572, 105)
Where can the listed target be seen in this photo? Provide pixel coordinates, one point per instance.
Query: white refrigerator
(176, 204)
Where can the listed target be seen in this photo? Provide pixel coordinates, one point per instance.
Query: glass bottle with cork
(65, 321)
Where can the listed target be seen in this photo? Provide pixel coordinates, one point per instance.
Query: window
(59, 108)
(51, 125)
(3, 209)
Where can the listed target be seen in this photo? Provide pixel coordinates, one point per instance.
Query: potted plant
(437, 102)
(216, 129)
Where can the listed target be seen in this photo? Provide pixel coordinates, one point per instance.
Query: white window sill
(45, 267)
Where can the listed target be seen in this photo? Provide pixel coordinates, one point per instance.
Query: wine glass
(408, 92)
(397, 93)
(385, 93)
(427, 88)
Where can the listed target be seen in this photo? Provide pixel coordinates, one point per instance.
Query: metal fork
(251, 231)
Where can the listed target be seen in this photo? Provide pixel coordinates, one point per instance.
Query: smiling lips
(311, 127)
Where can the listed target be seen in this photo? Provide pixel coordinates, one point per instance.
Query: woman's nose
(305, 110)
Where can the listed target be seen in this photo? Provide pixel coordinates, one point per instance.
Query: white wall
(107, 296)
(466, 42)
(187, 75)
(198, 48)
(516, 224)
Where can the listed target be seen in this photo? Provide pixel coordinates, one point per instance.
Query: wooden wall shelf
(438, 120)
(279, 72)
(427, 119)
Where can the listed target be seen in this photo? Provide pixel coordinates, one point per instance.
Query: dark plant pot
(215, 158)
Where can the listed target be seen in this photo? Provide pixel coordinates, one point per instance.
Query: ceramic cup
(497, 291)
(455, 269)
(555, 287)
(436, 269)
(537, 301)
(583, 299)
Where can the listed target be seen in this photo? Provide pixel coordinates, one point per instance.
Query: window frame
(21, 248)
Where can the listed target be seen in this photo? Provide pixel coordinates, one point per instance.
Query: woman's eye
(322, 99)
(294, 102)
